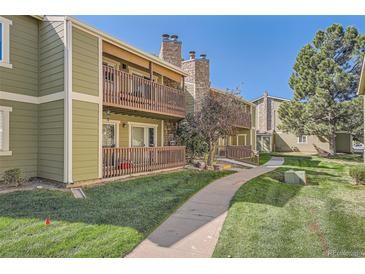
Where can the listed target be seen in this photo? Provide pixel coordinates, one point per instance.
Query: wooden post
(151, 71)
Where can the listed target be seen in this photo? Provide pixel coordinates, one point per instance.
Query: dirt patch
(34, 183)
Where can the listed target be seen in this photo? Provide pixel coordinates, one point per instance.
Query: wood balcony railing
(136, 93)
(129, 160)
(243, 120)
(240, 153)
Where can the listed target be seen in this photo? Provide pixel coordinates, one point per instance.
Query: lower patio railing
(240, 153)
(129, 160)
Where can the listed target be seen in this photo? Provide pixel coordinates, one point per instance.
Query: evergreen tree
(325, 79)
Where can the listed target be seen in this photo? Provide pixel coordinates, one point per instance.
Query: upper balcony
(243, 120)
(132, 92)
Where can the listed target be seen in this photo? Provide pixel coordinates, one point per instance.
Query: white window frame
(5, 131)
(301, 141)
(146, 126)
(5, 25)
(116, 124)
(245, 142)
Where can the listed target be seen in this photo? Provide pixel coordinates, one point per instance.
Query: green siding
(85, 64)
(51, 140)
(23, 138)
(51, 57)
(85, 140)
(23, 77)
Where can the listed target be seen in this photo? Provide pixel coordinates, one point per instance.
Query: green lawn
(268, 218)
(263, 158)
(112, 220)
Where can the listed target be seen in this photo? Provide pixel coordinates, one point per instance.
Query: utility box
(295, 177)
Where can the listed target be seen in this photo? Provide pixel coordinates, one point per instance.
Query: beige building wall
(285, 142)
(343, 142)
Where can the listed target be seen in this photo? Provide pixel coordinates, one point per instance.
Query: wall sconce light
(124, 125)
(108, 115)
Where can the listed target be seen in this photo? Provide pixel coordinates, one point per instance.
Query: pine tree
(324, 81)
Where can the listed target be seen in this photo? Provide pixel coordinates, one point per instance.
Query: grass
(264, 158)
(325, 218)
(110, 222)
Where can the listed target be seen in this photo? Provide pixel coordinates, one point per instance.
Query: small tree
(324, 81)
(189, 136)
(217, 118)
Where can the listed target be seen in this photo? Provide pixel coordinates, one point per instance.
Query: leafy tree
(324, 81)
(355, 125)
(217, 118)
(189, 136)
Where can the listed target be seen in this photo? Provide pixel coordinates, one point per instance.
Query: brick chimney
(197, 83)
(170, 50)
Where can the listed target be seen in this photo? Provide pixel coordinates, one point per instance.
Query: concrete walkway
(193, 230)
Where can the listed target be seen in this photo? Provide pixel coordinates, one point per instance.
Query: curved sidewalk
(193, 230)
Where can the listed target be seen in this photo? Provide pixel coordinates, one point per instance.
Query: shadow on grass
(271, 188)
(139, 203)
(266, 190)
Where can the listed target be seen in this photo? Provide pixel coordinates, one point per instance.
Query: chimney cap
(174, 37)
(192, 54)
(203, 56)
(165, 36)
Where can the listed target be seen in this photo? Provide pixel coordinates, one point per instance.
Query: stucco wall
(343, 143)
(284, 142)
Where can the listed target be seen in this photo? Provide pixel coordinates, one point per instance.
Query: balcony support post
(151, 71)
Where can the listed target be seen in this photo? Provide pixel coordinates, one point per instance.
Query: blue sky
(258, 51)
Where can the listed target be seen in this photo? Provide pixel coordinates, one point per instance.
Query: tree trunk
(211, 154)
(332, 143)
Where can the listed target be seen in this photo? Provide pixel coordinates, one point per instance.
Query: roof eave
(126, 46)
(224, 92)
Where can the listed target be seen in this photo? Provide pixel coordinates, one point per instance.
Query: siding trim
(32, 99)
(100, 173)
(85, 97)
(68, 102)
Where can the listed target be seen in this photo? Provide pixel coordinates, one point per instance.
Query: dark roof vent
(165, 36)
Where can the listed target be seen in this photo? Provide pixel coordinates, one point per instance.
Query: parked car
(358, 148)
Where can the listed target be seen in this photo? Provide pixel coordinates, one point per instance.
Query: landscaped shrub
(358, 173)
(13, 176)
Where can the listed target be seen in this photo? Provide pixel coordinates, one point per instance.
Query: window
(142, 135)
(241, 139)
(4, 131)
(5, 42)
(302, 139)
(111, 134)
